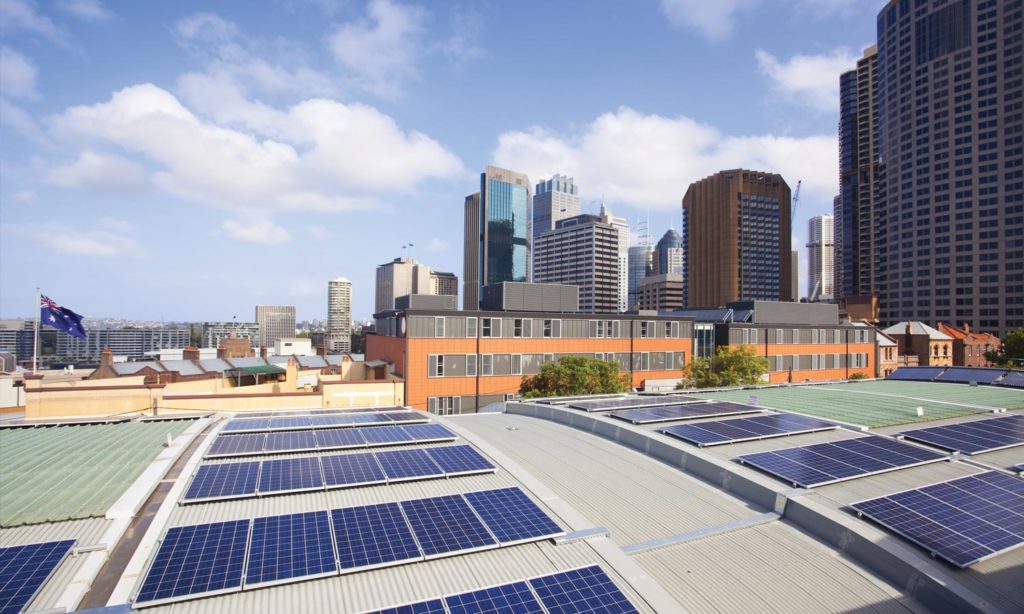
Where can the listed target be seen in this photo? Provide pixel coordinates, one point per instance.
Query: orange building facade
(807, 353)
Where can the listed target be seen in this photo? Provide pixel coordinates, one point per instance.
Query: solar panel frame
(290, 441)
(505, 598)
(382, 526)
(290, 475)
(670, 413)
(302, 543)
(430, 606)
(351, 470)
(973, 437)
(406, 417)
(602, 405)
(177, 542)
(246, 425)
(229, 480)
(408, 465)
(446, 525)
(290, 423)
(339, 439)
(460, 460)
(33, 564)
(827, 463)
(596, 592)
(429, 433)
(226, 446)
(386, 436)
(512, 517)
(705, 434)
(963, 375)
(939, 498)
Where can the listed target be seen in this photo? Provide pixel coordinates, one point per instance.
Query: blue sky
(187, 161)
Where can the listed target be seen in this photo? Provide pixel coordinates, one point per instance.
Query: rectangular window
(668, 330)
(486, 364)
(471, 327)
(485, 327)
(779, 336)
(549, 358)
(444, 406)
(596, 329)
(517, 327)
(471, 364)
(753, 335)
(553, 328)
(517, 364)
(616, 329)
(644, 331)
(837, 336)
(436, 365)
(439, 327)
(528, 328)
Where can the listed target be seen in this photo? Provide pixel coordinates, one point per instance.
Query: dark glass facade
(508, 245)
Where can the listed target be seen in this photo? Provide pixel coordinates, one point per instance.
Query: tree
(1011, 352)
(730, 366)
(575, 375)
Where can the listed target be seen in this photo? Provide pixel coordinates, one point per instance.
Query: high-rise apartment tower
(275, 322)
(339, 315)
(820, 252)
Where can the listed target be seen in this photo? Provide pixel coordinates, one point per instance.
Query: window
(596, 329)
(552, 328)
(517, 327)
(435, 365)
(439, 327)
(753, 335)
(779, 336)
(517, 364)
(490, 327)
(471, 364)
(486, 364)
(668, 330)
(443, 406)
(614, 329)
(646, 329)
(471, 327)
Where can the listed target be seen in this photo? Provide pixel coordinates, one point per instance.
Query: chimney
(106, 358)
(967, 327)
(908, 338)
(263, 352)
(321, 350)
(222, 352)
(190, 353)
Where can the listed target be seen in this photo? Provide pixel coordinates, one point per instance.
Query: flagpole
(35, 344)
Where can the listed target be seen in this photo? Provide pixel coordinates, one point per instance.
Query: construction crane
(796, 204)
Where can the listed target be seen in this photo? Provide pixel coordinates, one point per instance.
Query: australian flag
(61, 318)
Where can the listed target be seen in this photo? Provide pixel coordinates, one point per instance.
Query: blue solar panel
(406, 417)
(745, 429)
(631, 402)
(649, 415)
(351, 470)
(446, 525)
(290, 424)
(1013, 379)
(243, 426)
(290, 474)
(196, 560)
(237, 445)
(330, 422)
(339, 439)
(973, 437)
(423, 433)
(512, 516)
(916, 374)
(507, 598)
(825, 463)
(290, 546)
(460, 460)
(373, 536)
(404, 465)
(24, 570)
(290, 441)
(963, 520)
(581, 590)
(368, 419)
(965, 375)
(225, 481)
(434, 606)
(385, 435)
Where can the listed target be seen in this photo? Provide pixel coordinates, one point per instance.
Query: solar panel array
(745, 429)
(649, 415)
(323, 421)
(916, 374)
(629, 402)
(588, 589)
(286, 475)
(963, 520)
(973, 437)
(250, 444)
(1013, 379)
(825, 463)
(24, 569)
(965, 375)
(221, 557)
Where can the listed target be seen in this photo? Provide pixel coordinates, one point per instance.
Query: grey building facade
(275, 322)
(582, 251)
(215, 332)
(130, 342)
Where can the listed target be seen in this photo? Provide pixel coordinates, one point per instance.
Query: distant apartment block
(820, 254)
(582, 251)
(444, 284)
(214, 333)
(339, 315)
(405, 276)
(622, 226)
(553, 200)
(274, 322)
(132, 343)
(661, 292)
(17, 337)
(738, 238)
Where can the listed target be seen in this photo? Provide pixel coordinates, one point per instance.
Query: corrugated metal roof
(251, 361)
(312, 362)
(66, 472)
(185, 367)
(211, 365)
(917, 328)
(130, 368)
(278, 360)
(335, 360)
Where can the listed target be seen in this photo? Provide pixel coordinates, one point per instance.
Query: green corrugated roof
(260, 370)
(57, 473)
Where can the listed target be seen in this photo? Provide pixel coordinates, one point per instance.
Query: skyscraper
(951, 147)
(794, 275)
(669, 254)
(820, 252)
(497, 233)
(641, 264)
(339, 315)
(397, 278)
(275, 322)
(582, 251)
(738, 238)
(554, 199)
(622, 226)
(856, 210)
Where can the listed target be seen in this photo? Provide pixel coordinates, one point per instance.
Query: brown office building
(738, 238)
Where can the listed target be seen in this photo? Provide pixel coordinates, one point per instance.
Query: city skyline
(82, 187)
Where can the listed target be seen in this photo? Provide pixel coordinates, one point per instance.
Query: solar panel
(434, 606)
(825, 463)
(515, 597)
(973, 437)
(1013, 379)
(373, 536)
(405, 465)
(339, 439)
(916, 374)
(368, 419)
(330, 422)
(237, 445)
(290, 424)
(648, 415)
(966, 375)
(630, 402)
(290, 441)
(351, 470)
(512, 516)
(291, 475)
(291, 546)
(406, 417)
(196, 560)
(963, 521)
(424, 433)
(385, 435)
(460, 460)
(581, 590)
(223, 481)
(25, 569)
(745, 429)
(446, 525)
(244, 426)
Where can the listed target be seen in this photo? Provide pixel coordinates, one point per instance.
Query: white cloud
(810, 80)
(22, 15)
(464, 43)
(319, 233)
(262, 232)
(108, 239)
(382, 48)
(105, 173)
(17, 75)
(713, 18)
(89, 10)
(647, 161)
(438, 245)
